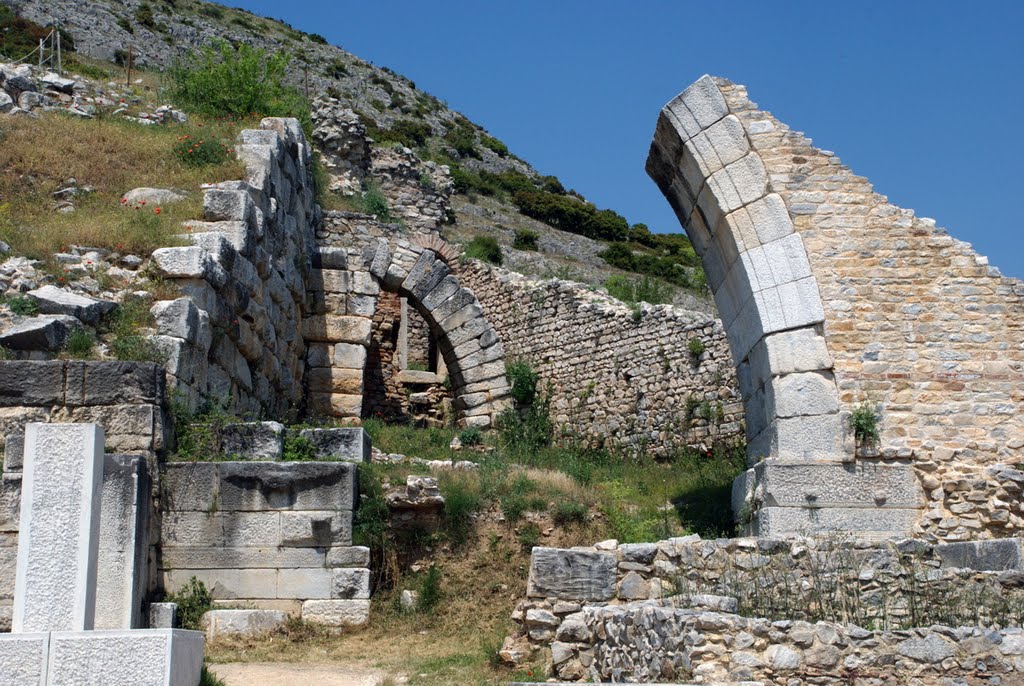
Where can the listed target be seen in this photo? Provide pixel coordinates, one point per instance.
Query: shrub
(525, 240)
(80, 344)
(297, 448)
(23, 305)
(375, 203)
(128, 344)
(523, 380)
(193, 601)
(461, 137)
(569, 512)
(201, 152)
(485, 248)
(471, 436)
(494, 145)
(21, 36)
(864, 420)
(207, 678)
(409, 132)
(212, 11)
(223, 79)
(645, 289)
(696, 347)
(528, 536)
(461, 502)
(145, 16)
(430, 591)
(198, 435)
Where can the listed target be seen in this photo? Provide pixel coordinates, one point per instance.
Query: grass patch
(485, 248)
(112, 156)
(644, 289)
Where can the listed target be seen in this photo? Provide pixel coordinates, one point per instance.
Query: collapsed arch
(471, 348)
(757, 267)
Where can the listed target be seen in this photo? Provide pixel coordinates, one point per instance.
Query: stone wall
(267, 535)
(620, 377)
(684, 607)
(236, 336)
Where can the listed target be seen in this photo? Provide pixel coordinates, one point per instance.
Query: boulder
(45, 332)
(6, 102)
(53, 300)
(151, 196)
(57, 83)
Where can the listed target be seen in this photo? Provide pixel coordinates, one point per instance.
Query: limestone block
(161, 657)
(335, 404)
(458, 300)
(431, 280)
(250, 529)
(335, 380)
(217, 246)
(770, 218)
(190, 486)
(789, 352)
(986, 556)
(31, 383)
(179, 318)
(800, 438)
(467, 332)
(46, 332)
(304, 584)
(380, 265)
(801, 394)
(124, 544)
(351, 556)
(335, 328)
(833, 484)
(14, 451)
(330, 258)
(331, 280)
(114, 383)
(58, 534)
(801, 303)
(258, 486)
(444, 290)
(163, 615)
(727, 138)
(361, 305)
(325, 528)
(226, 584)
(241, 622)
(704, 103)
(484, 371)
(253, 440)
(336, 612)
(572, 574)
(272, 557)
(186, 262)
(420, 268)
(348, 444)
(364, 283)
(236, 233)
(350, 584)
(23, 659)
(867, 523)
(195, 529)
(53, 300)
(348, 356)
(787, 258)
(227, 205)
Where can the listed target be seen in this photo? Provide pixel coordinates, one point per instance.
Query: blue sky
(923, 98)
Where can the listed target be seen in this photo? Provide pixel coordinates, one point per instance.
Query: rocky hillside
(487, 175)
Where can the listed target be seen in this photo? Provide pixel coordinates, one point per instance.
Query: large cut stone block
(23, 659)
(241, 622)
(304, 584)
(124, 544)
(860, 523)
(273, 557)
(145, 657)
(571, 574)
(835, 484)
(336, 328)
(253, 440)
(800, 395)
(985, 556)
(350, 584)
(55, 587)
(44, 332)
(191, 486)
(316, 529)
(259, 486)
(53, 300)
(226, 584)
(788, 352)
(336, 612)
(351, 445)
(799, 438)
(114, 383)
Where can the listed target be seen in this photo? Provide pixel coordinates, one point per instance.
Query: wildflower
(142, 202)
(156, 211)
(124, 201)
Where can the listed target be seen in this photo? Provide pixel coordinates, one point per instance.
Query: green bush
(523, 380)
(528, 536)
(201, 152)
(22, 305)
(145, 16)
(485, 248)
(124, 325)
(494, 145)
(408, 132)
(461, 137)
(525, 240)
(80, 344)
(569, 512)
(225, 79)
(461, 501)
(430, 591)
(865, 420)
(297, 448)
(471, 436)
(21, 36)
(198, 434)
(645, 289)
(696, 346)
(207, 678)
(193, 602)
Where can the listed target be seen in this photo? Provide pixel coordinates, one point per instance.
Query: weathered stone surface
(181, 557)
(316, 528)
(53, 300)
(121, 571)
(350, 584)
(152, 196)
(29, 383)
(253, 440)
(259, 486)
(349, 356)
(42, 332)
(571, 574)
(163, 615)
(217, 623)
(23, 658)
(179, 318)
(994, 556)
(336, 612)
(930, 649)
(349, 444)
(163, 657)
(334, 328)
(14, 452)
(352, 556)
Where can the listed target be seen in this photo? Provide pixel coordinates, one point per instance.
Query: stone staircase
(865, 500)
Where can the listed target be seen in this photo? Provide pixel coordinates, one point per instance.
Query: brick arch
(705, 164)
(472, 349)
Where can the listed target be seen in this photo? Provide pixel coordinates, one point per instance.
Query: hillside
(493, 185)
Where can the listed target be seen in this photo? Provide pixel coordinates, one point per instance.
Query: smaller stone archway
(472, 350)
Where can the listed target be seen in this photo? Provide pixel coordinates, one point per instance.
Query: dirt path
(290, 674)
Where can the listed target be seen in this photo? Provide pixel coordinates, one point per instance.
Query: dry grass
(481, 584)
(38, 156)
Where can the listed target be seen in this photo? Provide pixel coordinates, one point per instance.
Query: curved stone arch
(757, 267)
(472, 349)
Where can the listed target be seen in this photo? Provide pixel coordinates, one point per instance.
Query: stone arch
(757, 267)
(471, 348)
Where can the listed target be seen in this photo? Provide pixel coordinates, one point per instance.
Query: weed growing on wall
(193, 602)
(199, 434)
(864, 421)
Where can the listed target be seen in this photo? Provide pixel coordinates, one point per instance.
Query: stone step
(836, 484)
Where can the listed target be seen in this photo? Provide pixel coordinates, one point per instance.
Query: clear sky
(926, 99)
